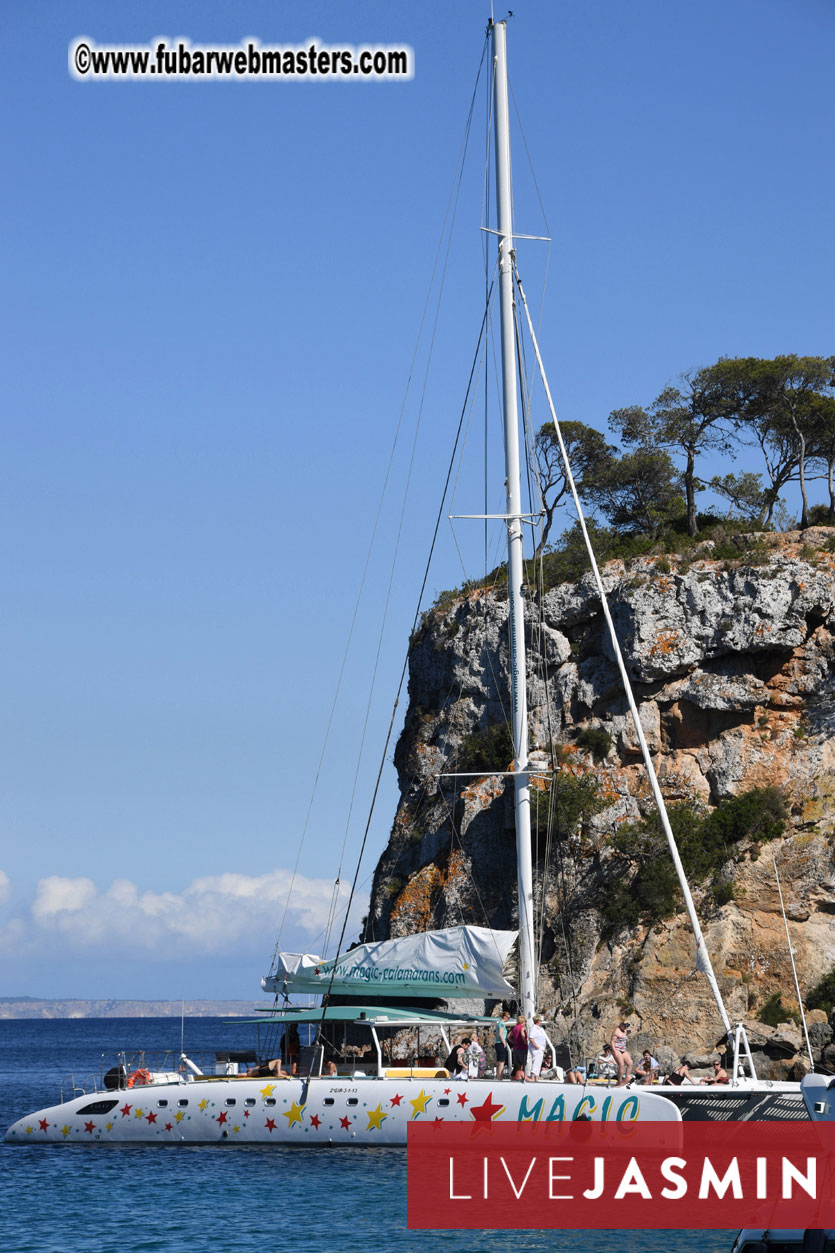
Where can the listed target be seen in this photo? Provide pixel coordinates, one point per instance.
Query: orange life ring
(139, 1078)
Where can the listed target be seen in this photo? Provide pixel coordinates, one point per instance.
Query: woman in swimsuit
(623, 1059)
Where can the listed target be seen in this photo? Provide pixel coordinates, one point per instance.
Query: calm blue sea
(126, 1199)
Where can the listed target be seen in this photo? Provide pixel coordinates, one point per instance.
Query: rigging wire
(452, 204)
(405, 665)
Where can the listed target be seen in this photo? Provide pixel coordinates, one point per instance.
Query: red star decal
(89, 1126)
(486, 1112)
(125, 1110)
(462, 1098)
(345, 1122)
(44, 1125)
(315, 1120)
(447, 1091)
(149, 1118)
(395, 1100)
(221, 1118)
(246, 1113)
(168, 1126)
(437, 1119)
(270, 1124)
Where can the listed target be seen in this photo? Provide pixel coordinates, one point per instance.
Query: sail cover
(460, 961)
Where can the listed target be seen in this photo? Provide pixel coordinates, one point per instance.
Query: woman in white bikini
(623, 1060)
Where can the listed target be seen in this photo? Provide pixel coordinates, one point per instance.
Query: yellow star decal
(179, 1116)
(140, 1113)
(236, 1129)
(294, 1113)
(109, 1125)
(419, 1104)
(29, 1130)
(65, 1131)
(267, 1090)
(375, 1118)
(203, 1104)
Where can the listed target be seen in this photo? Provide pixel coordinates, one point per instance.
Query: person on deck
(647, 1068)
(476, 1059)
(623, 1059)
(503, 1056)
(680, 1075)
(518, 1041)
(537, 1041)
(720, 1075)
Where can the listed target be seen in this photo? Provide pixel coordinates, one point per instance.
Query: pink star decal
(149, 1118)
(395, 1100)
(486, 1112)
(168, 1126)
(315, 1121)
(221, 1118)
(90, 1126)
(462, 1098)
(44, 1125)
(125, 1110)
(270, 1124)
(345, 1122)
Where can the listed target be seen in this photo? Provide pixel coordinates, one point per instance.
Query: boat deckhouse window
(353, 1100)
(328, 1100)
(443, 1100)
(183, 1102)
(250, 1100)
(270, 1100)
(98, 1107)
(162, 1104)
(230, 1100)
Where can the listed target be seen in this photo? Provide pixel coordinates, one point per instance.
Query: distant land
(35, 1007)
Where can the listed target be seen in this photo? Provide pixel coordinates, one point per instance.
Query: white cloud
(5, 888)
(213, 914)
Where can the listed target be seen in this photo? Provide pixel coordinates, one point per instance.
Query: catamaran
(369, 1102)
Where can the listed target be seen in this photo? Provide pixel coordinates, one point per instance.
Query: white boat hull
(320, 1111)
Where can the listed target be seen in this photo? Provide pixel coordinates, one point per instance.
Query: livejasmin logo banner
(643, 1175)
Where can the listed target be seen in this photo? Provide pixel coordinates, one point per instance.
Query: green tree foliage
(706, 840)
(685, 421)
(639, 492)
(822, 995)
(588, 454)
(565, 806)
(490, 749)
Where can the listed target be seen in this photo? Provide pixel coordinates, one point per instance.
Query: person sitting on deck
(680, 1075)
(720, 1075)
(647, 1068)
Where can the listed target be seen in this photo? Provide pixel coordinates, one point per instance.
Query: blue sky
(212, 297)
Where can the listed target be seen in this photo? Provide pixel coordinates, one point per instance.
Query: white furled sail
(456, 962)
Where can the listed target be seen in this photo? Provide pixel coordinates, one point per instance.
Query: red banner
(621, 1175)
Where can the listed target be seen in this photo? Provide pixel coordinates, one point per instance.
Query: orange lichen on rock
(666, 643)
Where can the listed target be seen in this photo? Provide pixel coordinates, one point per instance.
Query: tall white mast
(516, 623)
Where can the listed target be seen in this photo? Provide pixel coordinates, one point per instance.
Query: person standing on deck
(518, 1041)
(537, 1040)
(503, 1057)
(623, 1059)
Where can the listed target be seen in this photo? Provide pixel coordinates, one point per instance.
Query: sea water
(123, 1199)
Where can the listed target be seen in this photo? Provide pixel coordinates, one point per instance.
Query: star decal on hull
(293, 1114)
(376, 1117)
(88, 1126)
(221, 1118)
(44, 1125)
(124, 1111)
(462, 1098)
(419, 1104)
(345, 1123)
(151, 1117)
(486, 1112)
(395, 1100)
(270, 1124)
(315, 1121)
(267, 1090)
(203, 1105)
(179, 1116)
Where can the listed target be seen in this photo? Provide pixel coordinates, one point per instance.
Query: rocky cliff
(733, 663)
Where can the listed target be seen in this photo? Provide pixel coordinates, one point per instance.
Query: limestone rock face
(733, 667)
